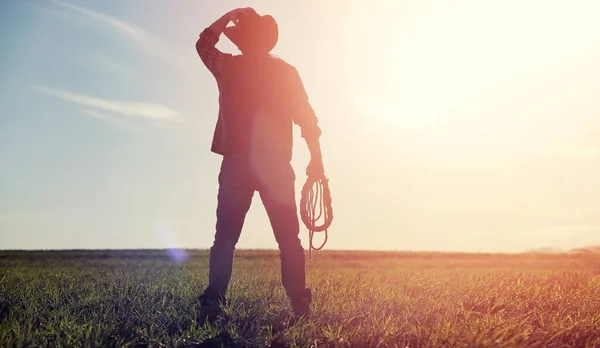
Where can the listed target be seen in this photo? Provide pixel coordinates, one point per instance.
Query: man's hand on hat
(239, 13)
(234, 16)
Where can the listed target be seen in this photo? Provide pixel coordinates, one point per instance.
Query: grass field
(361, 299)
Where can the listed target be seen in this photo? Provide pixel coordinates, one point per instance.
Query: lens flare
(176, 252)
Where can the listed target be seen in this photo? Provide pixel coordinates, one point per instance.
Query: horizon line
(530, 251)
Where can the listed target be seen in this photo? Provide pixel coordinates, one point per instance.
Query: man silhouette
(260, 98)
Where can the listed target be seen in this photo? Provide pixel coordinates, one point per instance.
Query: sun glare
(444, 61)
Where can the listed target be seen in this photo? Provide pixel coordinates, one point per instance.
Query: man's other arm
(304, 116)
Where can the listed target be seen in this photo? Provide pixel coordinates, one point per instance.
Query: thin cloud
(148, 41)
(137, 109)
(115, 120)
(134, 32)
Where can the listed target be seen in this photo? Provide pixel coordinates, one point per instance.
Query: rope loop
(315, 204)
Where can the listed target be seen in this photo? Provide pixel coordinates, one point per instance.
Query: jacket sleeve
(209, 54)
(302, 112)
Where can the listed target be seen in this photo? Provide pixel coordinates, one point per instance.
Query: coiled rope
(315, 204)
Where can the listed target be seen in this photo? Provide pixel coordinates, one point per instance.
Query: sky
(448, 126)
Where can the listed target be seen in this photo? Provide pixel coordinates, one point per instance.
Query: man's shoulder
(283, 66)
(275, 65)
(279, 60)
(272, 59)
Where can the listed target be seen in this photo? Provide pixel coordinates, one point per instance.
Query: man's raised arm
(205, 46)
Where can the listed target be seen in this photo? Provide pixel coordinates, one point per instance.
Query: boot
(211, 305)
(301, 304)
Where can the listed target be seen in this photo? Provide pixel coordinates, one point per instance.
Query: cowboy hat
(253, 30)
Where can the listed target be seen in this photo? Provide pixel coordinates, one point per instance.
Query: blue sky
(444, 128)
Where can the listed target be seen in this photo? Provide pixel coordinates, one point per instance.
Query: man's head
(254, 34)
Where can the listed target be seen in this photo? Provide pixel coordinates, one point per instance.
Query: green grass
(361, 299)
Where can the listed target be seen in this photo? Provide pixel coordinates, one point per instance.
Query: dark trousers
(240, 176)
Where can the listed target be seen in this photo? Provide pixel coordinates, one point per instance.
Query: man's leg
(278, 196)
(234, 198)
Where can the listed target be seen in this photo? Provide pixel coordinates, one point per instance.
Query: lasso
(315, 204)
